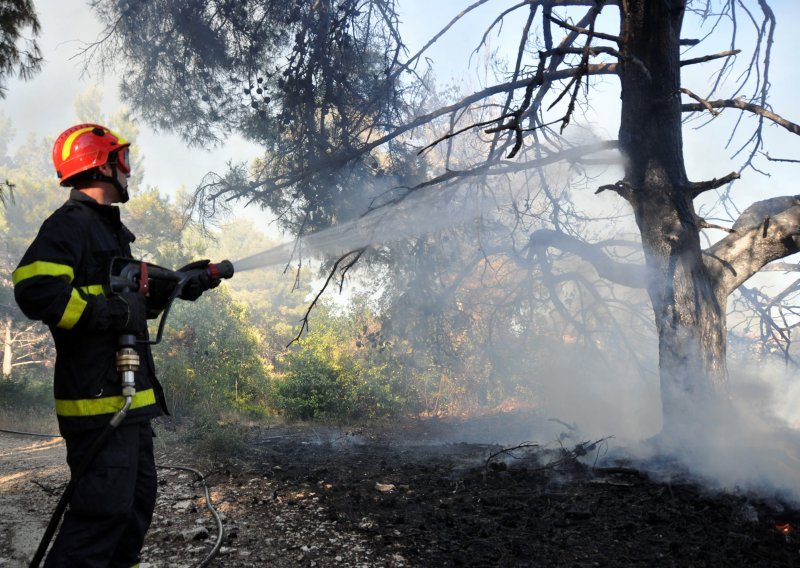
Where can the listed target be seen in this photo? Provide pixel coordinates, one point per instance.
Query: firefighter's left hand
(199, 283)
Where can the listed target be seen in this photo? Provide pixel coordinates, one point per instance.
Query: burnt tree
(341, 106)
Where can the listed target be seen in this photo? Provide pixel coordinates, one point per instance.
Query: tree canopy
(18, 54)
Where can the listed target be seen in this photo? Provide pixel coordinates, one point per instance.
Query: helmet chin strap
(112, 179)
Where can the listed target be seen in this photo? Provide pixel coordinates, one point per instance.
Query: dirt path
(278, 522)
(32, 474)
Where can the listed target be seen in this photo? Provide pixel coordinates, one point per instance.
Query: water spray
(415, 215)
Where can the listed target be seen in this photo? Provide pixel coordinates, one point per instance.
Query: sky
(44, 105)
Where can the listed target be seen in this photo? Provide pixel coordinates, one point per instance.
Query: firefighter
(62, 280)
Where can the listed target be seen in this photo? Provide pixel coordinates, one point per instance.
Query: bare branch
(488, 169)
(696, 188)
(356, 253)
(701, 100)
(631, 275)
(743, 105)
(585, 31)
(435, 38)
(764, 232)
(771, 159)
(720, 55)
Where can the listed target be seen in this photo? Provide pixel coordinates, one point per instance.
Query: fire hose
(128, 275)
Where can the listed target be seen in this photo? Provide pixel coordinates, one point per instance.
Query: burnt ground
(406, 496)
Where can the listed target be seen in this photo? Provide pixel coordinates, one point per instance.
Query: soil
(413, 496)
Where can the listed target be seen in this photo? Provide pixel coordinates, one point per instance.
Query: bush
(312, 388)
(210, 360)
(27, 405)
(329, 376)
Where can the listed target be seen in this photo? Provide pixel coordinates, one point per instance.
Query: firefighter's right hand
(128, 312)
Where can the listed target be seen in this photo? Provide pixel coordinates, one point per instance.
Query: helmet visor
(123, 161)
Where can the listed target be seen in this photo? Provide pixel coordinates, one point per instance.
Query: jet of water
(412, 216)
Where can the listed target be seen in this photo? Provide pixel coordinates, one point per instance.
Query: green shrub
(330, 375)
(210, 360)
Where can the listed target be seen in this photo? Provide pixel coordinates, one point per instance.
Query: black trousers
(112, 506)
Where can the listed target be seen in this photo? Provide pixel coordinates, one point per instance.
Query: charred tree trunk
(689, 315)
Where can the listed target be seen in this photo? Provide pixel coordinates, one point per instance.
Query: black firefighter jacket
(62, 280)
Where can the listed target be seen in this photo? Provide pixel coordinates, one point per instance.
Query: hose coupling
(127, 362)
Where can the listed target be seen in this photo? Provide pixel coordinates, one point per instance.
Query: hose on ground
(217, 519)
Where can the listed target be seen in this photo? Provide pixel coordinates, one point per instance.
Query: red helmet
(86, 146)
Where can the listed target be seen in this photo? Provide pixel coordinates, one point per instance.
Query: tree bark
(689, 314)
(7, 353)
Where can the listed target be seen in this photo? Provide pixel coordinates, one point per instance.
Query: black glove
(199, 283)
(157, 297)
(128, 312)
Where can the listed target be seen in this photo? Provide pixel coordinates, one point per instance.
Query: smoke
(751, 446)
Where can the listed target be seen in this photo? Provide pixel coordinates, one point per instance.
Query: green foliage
(26, 390)
(275, 299)
(210, 358)
(18, 54)
(158, 225)
(299, 79)
(332, 374)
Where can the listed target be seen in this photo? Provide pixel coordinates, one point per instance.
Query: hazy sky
(45, 104)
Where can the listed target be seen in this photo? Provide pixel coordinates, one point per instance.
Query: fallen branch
(509, 451)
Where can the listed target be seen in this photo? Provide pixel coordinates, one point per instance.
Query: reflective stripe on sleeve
(42, 268)
(93, 289)
(73, 311)
(104, 405)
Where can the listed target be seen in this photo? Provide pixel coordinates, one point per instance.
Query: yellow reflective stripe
(120, 139)
(73, 311)
(67, 147)
(93, 289)
(42, 268)
(105, 405)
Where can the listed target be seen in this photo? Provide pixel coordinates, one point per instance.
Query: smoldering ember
(506, 283)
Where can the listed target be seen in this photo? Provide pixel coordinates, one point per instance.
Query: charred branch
(344, 263)
(218, 187)
(700, 100)
(703, 224)
(626, 274)
(696, 188)
(436, 37)
(487, 169)
(705, 58)
(585, 31)
(622, 187)
(766, 231)
(770, 329)
(743, 105)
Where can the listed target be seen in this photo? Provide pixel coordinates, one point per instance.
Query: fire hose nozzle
(220, 270)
